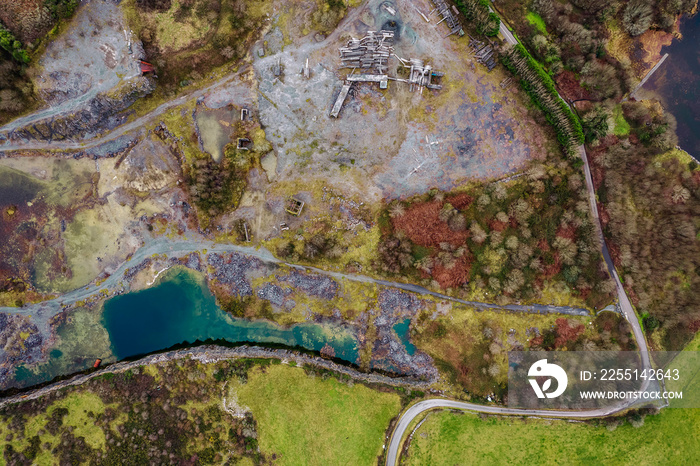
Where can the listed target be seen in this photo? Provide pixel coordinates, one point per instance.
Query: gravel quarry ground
(94, 55)
(386, 144)
(470, 129)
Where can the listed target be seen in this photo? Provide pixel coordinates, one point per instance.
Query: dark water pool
(401, 329)
(16, 187)
(180, 309)
(677, 81)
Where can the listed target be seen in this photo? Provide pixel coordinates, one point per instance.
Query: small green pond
(214, 134)
(402, 330)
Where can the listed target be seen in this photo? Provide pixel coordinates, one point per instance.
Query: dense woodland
(576, 34)
(216, 187)
(540, 87)
(651, 213)
(478, 12)
(649, 199)
(16, 90)
(509, 238)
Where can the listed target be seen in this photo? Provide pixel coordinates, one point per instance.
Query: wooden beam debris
(370, 52)
(335, 111)
(371, 56)
(484, 53)
(247, 235)
(306, 71)
(448, 17)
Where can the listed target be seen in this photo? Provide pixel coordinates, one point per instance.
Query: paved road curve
(393, 451)
(625, 305)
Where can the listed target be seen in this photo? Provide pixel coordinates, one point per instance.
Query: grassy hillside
(314, 420)
(185, 412)
(668, 438)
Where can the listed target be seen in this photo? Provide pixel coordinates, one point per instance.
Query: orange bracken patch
(551, 270)
(422, 226)
(454, 277)
(460, 201)
(566, 333)
(496, 225)
(569, 232)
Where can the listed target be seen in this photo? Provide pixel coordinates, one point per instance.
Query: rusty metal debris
(244, 144)
(294, 206)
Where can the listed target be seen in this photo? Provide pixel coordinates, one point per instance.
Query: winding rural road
(43, 311)
(393, 452)
(395, 443)
(625, 304)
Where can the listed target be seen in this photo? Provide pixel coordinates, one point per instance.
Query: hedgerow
(487, 22)
(540, 87)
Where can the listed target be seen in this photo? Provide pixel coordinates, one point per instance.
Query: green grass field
(688, 365)
(622, 128)
(307, 420)
(668, 438)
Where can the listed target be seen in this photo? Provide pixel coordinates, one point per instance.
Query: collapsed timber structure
(484, 52)
(420, 75)
(371, 55)
(448, 16)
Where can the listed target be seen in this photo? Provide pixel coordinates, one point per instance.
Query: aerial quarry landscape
(349, 232)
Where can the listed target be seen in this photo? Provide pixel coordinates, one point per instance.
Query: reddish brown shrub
(423, 227)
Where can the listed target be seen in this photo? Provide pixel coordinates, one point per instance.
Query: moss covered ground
(621, 128)
(181, 412)
(537, 21)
